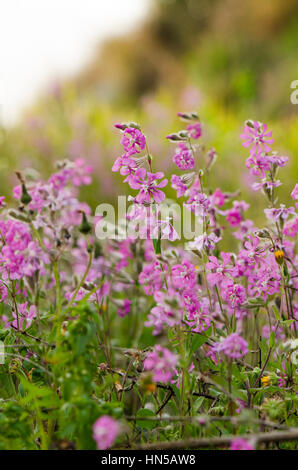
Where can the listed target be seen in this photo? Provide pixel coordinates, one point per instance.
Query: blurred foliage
(228, 60)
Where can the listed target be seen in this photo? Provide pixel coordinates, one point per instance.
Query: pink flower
(218, 198)
(220, 271)
(184, 159)
(133, 141)
(184, 275)
(105, 431)
(234, 294)
(178, 185)
(125, 308)
(294, 194)
(127, 167)
(25, 316)
(162, 363)
(233, 346)
(148, 185)
(150, 278)
(204, 241)
(257, 136)
(194, 130)
(240, 444)
(198, 202)
(266, 185)
(234, 217)
(279, 213)
(291, 227)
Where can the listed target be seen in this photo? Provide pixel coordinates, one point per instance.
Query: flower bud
(25, 198)
(85, 226)
(279, 256)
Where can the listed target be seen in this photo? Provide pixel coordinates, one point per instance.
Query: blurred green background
(228, 59)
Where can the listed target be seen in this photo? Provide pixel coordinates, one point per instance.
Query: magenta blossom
(204, 242)
(184, 275)
(178, 185)
(25, 316)
(234, 294)
(233, 346)
(105, 431)
(124, 309)
(148, 185)
(240, 444)
(218, 198)
(194, 130)
(133, 141)
(151, 278)
(257, 137)
(220, 272)
(281, 212)
(127, 167)
(294, 194)
(184, 159)
(162, 363)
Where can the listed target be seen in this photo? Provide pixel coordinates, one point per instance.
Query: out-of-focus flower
(194, 130)
(133, 141)
(162, 363)
(105, 431)
(240, 444)
(233, 346)
(257, 137)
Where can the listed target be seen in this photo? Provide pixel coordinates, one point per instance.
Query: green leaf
(272, 339)
(276, 313)
(143, 423)
(199, 340)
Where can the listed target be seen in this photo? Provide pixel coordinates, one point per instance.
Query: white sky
(41, 40)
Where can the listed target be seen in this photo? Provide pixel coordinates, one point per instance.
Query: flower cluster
(131, 328)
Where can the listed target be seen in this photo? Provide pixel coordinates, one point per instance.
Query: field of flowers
(151, 341)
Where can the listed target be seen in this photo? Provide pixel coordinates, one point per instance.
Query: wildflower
(218, 198)
(184, 159)
(150, 278)
(279, 256)
(194, 130)
(240, 444)
(105, 431)
(133, 141)
(125, 308)
(127, 167)
(178, 185)
(162, 363)
(219, 272)
(207, 242)
(233, 346)
(277, 213)
(23, 319)
(265, 380)
(291, 228)
(294, 194)
(234, 217)
(234, 294)
(256, 135)
(184, 275)
(266, 185)
(148, 185)
(198, 202)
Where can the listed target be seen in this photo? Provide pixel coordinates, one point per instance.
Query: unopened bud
(85, 226)
(25, 198)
